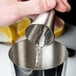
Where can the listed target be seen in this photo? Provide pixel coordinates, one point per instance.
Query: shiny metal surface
(23, 54)
(50, 20)
(38, 34)
(46, 18)
(42, 32)
(57, 71)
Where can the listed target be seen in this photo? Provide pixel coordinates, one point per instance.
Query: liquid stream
(37, 62)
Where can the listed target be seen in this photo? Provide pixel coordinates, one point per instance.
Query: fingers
(67, 4)
(34, 6)
(62, 6)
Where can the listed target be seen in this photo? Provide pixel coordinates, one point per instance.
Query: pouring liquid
(39, 47)
(37, 62)
(44, 40)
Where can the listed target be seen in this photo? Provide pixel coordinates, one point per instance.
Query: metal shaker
(52, 59)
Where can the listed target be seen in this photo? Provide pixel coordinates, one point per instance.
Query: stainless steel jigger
(41, 30)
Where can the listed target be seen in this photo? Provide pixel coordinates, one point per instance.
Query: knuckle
(42, 6)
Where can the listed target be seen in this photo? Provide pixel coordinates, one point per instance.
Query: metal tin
(52, 59)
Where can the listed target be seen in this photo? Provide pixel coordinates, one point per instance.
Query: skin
(13, 10)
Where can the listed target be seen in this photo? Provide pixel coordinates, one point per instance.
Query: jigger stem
(46, 18)
(50, 20)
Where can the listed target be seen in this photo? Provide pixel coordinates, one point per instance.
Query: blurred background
(69, 17)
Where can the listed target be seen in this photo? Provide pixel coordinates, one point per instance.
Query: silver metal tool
(41, 30)
(52, 59)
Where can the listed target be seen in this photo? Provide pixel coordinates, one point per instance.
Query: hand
(13, 10)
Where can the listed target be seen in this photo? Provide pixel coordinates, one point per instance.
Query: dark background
(69, 17)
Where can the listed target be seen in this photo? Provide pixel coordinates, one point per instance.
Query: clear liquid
(38, 52)
(39, 46)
